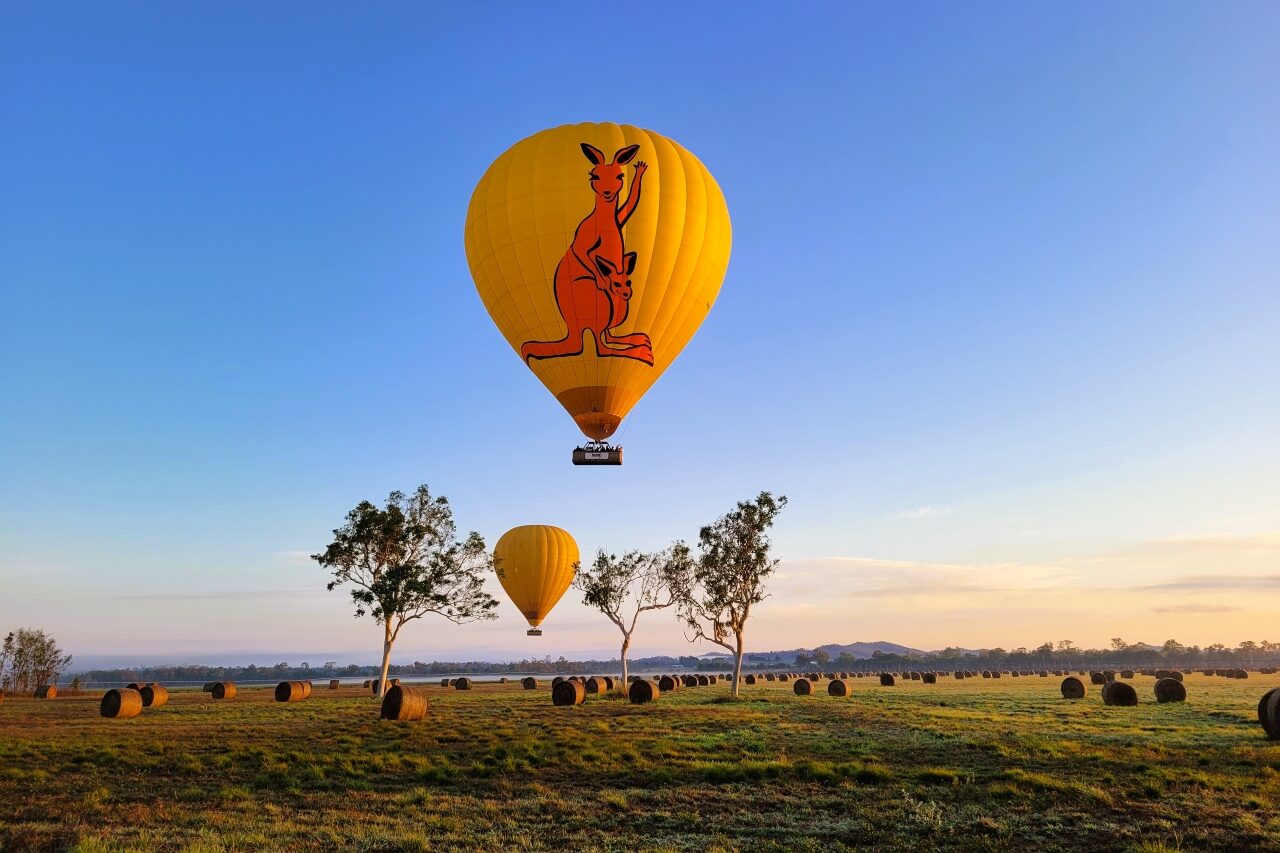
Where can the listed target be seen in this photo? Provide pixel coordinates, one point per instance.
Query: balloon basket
(534, 632)
(597, 453)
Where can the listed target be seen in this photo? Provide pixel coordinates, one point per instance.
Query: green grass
(962, 765)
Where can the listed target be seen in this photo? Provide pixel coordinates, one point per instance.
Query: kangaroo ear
(594, 154)
(605, 267)
(624, 155)
(629, 262)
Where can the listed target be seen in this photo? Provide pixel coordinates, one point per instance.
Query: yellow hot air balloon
(536, 563)
(598, 250)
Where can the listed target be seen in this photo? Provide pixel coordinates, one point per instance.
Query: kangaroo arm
(588, 262)
(633, 198)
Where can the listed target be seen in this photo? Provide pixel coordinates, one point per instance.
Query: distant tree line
(1063, 654)
(285, 672)
(30, 659)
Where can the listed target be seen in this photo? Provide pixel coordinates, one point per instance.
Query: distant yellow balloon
(598, 250)
(536, 563)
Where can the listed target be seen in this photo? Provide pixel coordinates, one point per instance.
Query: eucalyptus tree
(728, 578)
(624, 587)
(405, 561)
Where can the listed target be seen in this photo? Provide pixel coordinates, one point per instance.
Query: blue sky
(1041, 239)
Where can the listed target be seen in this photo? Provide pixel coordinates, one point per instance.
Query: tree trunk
(737, 666)
(626, 644)
(386, 661)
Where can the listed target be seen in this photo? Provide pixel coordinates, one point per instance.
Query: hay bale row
(643, 692)
(1073, 688)
(1269, 713)
(404, 703)
(1119, 693)
(121, 703)
(568, 692)
(293, 691)
(1170, 690)
(154, 695)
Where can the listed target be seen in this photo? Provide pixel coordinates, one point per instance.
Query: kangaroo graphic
(592, 282)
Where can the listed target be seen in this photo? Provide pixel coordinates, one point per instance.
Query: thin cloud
(1198, 608)
(1203, 582)
(293, 558)
(223, 595)
(926, 512)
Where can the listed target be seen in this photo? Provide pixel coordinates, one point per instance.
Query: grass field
(966, 765)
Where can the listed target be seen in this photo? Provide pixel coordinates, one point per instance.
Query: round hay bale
(713, 679)
(1241, 673)
(154, 695)
(1175, 675)
(121, 703)
(208, 687)
(996, 673)
(784, 677)
(703, 680)
(1044, 673)
(460, 684)
(1014, 673)
(838, 687)
(1097, 678)
(667, 684)
(367, 683)
(750, 679)
(529, 683)
(1159, 673)
(596, 684)
(1109, 675)
(986, 673)
(47, 691)
(1128, 673)
(802, 687)
(1170, 690)
(135, 685)
(306, 688)
(335, 683)
(769, 676)
(568, 693)
(929, 678)
(609, 682)
(557, 680)
(643, 692)
(886, 680)
(1119, 693)
(223, 690)
(444, 682)
(291, 691)
(404, 704)
(1073, 688)
(1269, 713)
(913, 675)
(958, 675)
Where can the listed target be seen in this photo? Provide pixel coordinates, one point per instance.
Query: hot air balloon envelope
(535, 564)
(598, 250)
